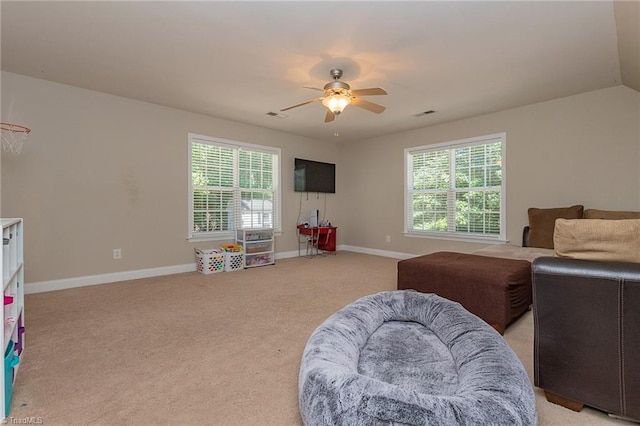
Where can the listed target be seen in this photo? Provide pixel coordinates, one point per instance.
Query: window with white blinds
(233, 185)
(457, 189)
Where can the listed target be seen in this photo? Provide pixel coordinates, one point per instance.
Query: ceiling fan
(338, 94)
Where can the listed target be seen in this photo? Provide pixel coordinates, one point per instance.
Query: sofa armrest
(575, 268)
(525, 236)
(586, 323)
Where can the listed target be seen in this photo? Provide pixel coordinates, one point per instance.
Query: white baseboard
(286, 254)
(42, 286)
(376, 252)
(355, 249)
(62, 284)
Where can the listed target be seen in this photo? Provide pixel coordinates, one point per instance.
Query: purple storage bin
(18, 346)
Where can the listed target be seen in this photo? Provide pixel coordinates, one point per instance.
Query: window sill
(210, 238)
(457, 237)
(229, 235)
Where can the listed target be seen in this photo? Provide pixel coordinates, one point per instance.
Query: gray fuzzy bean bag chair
(409, 358)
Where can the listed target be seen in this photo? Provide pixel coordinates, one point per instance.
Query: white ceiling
(240, 60)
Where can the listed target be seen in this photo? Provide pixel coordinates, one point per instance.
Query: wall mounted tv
(314, 176)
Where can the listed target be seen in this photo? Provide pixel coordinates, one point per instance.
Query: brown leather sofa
(587, 333)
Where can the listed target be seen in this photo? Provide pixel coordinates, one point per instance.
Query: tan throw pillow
(543, 221)
(610, 214)
(598, 239)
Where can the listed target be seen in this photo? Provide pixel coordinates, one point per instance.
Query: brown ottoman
(495, 289)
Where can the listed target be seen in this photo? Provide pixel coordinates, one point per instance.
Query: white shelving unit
(13, 308)
(258, 246)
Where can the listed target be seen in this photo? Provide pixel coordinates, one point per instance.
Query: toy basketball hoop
(12, 136)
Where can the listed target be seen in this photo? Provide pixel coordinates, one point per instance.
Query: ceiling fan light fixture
(338, 95)
(336, 103)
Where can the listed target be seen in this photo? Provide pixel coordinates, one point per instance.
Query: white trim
(65, 283)
(89, 280)
(233, 144)
(75, 282)
(452, 236)
(377, 252)
(450, 146)
(236, 146)
(460, 143)
(287, 254)
(230, 235)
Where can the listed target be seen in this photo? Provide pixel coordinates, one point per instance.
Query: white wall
(100, 172)
(582, 149)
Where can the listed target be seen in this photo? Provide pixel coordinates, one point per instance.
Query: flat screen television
(314, 176)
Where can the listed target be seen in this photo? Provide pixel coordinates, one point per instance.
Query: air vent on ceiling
(277, 114)
(420, 114)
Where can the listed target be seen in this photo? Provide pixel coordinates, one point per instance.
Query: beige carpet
(220, 349)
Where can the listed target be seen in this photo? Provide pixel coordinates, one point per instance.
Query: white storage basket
(209, 261)
(234, 261)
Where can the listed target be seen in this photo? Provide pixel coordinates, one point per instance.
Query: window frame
(453, 234)
(236, 146)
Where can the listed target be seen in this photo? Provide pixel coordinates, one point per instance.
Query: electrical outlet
(117, 253)
(388, 238)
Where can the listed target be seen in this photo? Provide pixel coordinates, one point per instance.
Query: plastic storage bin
(209, 261)
(258, 247)
(259, 260)
(18, 346)
(10, 361)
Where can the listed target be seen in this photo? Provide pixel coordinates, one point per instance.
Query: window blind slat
(456, 188)
(233, 187)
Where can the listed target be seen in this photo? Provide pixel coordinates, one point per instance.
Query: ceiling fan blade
(304, 103)
(313, 88)
(329, 117)
(369, 106)
(369, 92)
